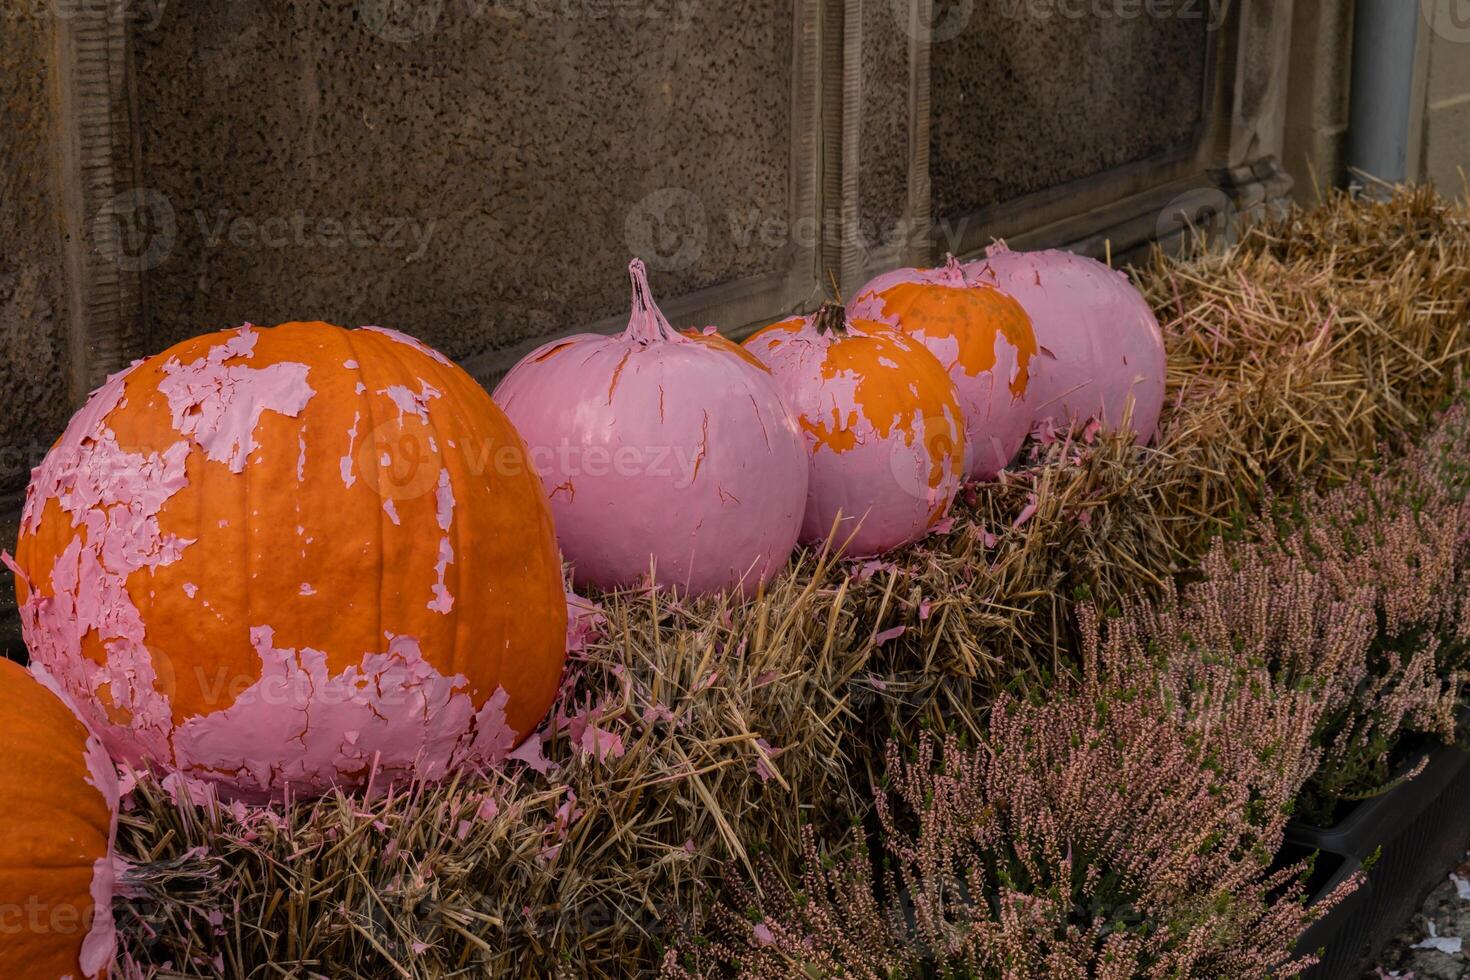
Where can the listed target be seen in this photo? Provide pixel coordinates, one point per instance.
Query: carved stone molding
(104, 244)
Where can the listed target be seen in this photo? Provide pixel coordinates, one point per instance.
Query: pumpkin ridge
(453, 532)
(365, 404)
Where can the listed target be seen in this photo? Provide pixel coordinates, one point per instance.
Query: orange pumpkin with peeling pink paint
(295, 557)
(883, 426)
(982, 336)
(56, 836)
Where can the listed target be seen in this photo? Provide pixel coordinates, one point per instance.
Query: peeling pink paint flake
(416, 344)
(411, 402)
(442, 602)
(290, 726)
(444, 501)
(348, 477)
(219, 404)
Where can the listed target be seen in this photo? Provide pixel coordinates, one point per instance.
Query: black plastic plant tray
(1409, 838)
(1329, 934)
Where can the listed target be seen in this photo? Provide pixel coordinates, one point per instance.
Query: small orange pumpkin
(300, 556)
(57, 825)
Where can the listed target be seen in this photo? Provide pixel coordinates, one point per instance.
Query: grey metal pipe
(1385, 34)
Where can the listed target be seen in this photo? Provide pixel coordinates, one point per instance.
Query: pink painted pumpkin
(983, 338)
(661, 449)
(1098, 343)
(883, 427)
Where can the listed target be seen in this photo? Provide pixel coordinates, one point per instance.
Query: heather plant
(1396, 544)
(1126, 827)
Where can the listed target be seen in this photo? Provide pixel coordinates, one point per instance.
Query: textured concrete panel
(883, 180)
(1035, 93)
(464, 170)
(33, 310)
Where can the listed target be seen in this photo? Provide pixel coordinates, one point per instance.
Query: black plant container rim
(1370, 823)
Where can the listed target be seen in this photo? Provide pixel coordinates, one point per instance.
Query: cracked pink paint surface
(347, 463)
(99, 563)
(886, 456)
(1099, 343)
(301, 724)
(659, 449)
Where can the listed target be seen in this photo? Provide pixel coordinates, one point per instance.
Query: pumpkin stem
(647, 323)
(831, 318)
(953, 271)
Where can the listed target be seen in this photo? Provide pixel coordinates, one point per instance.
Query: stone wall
(1317, 103)
(1027, 98)
(473, 173)
(34, 355)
